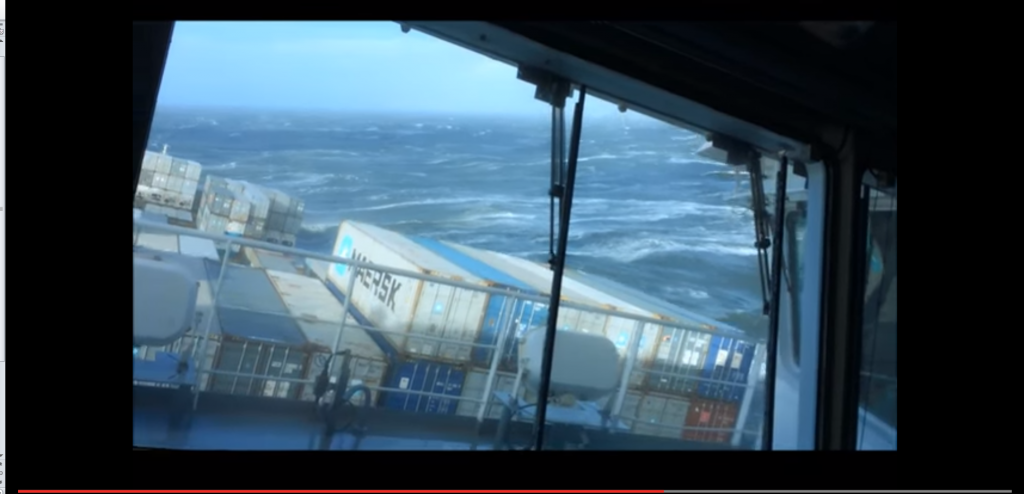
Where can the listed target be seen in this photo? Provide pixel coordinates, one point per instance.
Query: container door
(231, 354)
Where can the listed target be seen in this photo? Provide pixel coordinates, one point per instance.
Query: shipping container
(175, 184)
(652, 414)
(732, 362)
(292, 225)
(195, 170)
(259, 335)
(146, 177)
(254, 229)
(523, 316)
(159, 241)
(474, 387)
(405, 308)
(178, 168)
(163, 164)
(259, 201)
(203, 248)
(717, 416)
(160, 181)
(276, 222)
(427, 377)
(539, 277)
(274, 261)
(319, 315)
(681, 356)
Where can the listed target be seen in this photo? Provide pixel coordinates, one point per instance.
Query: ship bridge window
(430, 166)
(878, 373)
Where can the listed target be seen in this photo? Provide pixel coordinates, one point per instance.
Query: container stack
(249, 210)
(222, 211)
(686, 383)
(168, 181)
(284, 219)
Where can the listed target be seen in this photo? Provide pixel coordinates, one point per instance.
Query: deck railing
(680, 328)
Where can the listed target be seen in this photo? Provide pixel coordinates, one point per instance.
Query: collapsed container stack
(683, 379)
(409, 334)
(167, 181)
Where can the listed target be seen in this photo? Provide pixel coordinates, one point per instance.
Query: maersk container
(319, 314)
(427, 377)
(259, 336)
(524, 315)
(539, 277)
(407, 308)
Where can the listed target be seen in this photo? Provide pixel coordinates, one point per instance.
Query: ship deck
(169, 410)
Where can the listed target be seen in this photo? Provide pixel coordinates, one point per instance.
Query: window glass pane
(877, 427)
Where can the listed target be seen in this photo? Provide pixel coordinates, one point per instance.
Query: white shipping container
(474, 387)
(617, 329)
(235, 227)
(259, 201)
(160, 180)
(175, 184)
(240, 211)
(198, 247)
(292, 225)
(195, 170)
(404, 306)
(189, 187)
(279, 202)
(146, 177)
(163, 164)
(679, 352)
(178, 168)
(149, 161)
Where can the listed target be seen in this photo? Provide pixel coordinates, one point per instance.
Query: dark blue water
(648, 212)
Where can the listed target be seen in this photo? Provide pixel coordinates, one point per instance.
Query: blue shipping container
(428, 377)
(498, 315)
(728, 360)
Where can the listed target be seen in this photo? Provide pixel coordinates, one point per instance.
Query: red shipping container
(712, 415)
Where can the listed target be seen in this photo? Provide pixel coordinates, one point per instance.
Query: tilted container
(416, 318)
(524, 315)
(539, 277)
(319, 314)
(259, 335)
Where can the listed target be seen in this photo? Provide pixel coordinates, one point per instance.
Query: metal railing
(687, 328)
